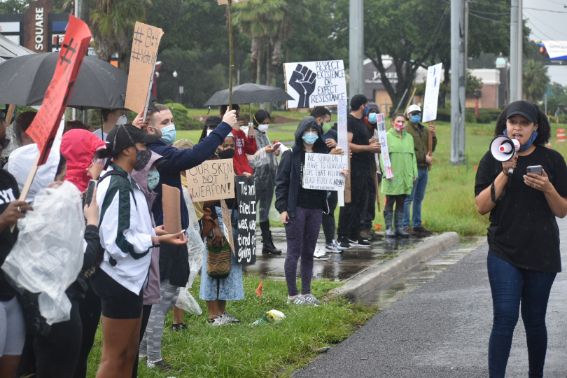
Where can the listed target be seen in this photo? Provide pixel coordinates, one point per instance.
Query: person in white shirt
(127, 236)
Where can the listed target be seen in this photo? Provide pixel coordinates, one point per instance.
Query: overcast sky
(547, 20)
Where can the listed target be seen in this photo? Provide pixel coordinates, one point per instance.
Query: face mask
(529, 143)
(226, 154)
(153, 179)
(372, 118)
(310, 137)
(416, 118)
(399, 126)
(122, 120)
(263, 127)
(142, 158)
(168, 134)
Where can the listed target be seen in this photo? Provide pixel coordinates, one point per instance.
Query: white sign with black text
(323, 172)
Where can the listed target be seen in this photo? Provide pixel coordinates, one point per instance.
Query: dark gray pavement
(441, 329)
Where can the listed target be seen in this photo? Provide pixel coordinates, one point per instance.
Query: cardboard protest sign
(74, 48)
(313, 84)
(142, 62)
(211, 180)
(246, 236)
(432, 92)
(323, 172)
(170, 201)
(383, 140)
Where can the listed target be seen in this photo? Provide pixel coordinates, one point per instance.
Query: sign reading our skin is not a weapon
(211, 180)
(311, 84)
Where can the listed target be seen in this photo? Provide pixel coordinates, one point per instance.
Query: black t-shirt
(360, 135)
(523, 230)
(8, 192)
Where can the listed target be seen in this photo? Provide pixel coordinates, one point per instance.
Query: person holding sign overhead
(301, 210)
(404, 167)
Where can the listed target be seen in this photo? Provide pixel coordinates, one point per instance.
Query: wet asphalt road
(441, 329)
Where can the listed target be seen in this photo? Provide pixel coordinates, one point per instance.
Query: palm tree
(112, 25)
(535, 80)
(265, 24)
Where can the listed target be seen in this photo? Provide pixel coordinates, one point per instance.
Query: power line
(562, 33)
(544, 10)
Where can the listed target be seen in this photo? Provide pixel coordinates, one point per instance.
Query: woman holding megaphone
(523, 193)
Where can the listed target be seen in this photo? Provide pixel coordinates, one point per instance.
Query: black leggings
(90, 315)
(57, 354)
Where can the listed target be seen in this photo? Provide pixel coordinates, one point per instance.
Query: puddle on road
(423, 273)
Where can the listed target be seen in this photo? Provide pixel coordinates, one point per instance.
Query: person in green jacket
(404, 167)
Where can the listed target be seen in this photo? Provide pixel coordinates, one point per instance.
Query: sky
(547, 20)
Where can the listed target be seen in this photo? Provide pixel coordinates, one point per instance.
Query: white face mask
(122, 120)
(263, 127)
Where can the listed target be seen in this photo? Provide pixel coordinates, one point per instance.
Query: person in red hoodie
(243, 145)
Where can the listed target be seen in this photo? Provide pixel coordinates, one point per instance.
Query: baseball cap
(413, 108)
(123, 136)
(522, 108)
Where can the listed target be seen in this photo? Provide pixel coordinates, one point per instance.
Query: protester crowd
(134, 271)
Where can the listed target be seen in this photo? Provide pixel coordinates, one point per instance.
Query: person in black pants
(363, 146)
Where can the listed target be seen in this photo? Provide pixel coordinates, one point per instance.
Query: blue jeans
(511, 286)
(417, 195)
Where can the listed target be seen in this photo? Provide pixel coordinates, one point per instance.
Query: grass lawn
(245, 351)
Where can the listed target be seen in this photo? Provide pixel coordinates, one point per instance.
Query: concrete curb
(379, 275)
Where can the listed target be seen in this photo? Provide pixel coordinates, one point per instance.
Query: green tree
(265, 24)
(112, 24)
(535, 80)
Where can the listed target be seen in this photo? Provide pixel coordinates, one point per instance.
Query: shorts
(116, 301)
(12, 328)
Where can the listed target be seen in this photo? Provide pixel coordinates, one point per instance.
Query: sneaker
(219, 321)
(178, 327)
(231, 318)
(421, 231)
(333, 248)
(338, 246)
(309, 299)
(344, 243)
(363, 243)
(320, 255)
(160, 364)
(303, 300)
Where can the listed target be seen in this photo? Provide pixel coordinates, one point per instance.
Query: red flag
(74, 48)
(260, 289)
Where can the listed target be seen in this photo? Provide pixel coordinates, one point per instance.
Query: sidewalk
(442, 329)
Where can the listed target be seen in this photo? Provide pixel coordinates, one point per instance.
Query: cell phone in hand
(90, 192)
(537, 169)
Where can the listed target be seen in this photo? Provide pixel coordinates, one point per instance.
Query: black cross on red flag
(44, 126)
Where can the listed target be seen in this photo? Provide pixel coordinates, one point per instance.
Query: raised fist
(303, 81)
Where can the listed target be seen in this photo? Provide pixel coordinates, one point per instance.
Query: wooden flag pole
(231, 52)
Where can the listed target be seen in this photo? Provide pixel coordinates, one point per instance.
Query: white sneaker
(338, 245)
(320, 255)
(332, 248)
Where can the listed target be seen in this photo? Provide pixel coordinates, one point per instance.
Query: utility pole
(356, 46)
(516, 50)
(458, 61)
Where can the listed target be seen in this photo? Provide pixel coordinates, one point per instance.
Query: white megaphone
(503, 148)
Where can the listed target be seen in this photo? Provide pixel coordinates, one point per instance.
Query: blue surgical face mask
(310, 137)
(168, 133)
(415, 118)
(153, 179)
(529, 143)
(372, 118)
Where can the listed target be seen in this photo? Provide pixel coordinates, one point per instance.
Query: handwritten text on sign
(142, 59)
(323, 172)
(212, 180)
(313, 84)
(246, 236)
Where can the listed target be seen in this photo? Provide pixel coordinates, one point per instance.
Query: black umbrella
(24, 80)
(249, 93)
